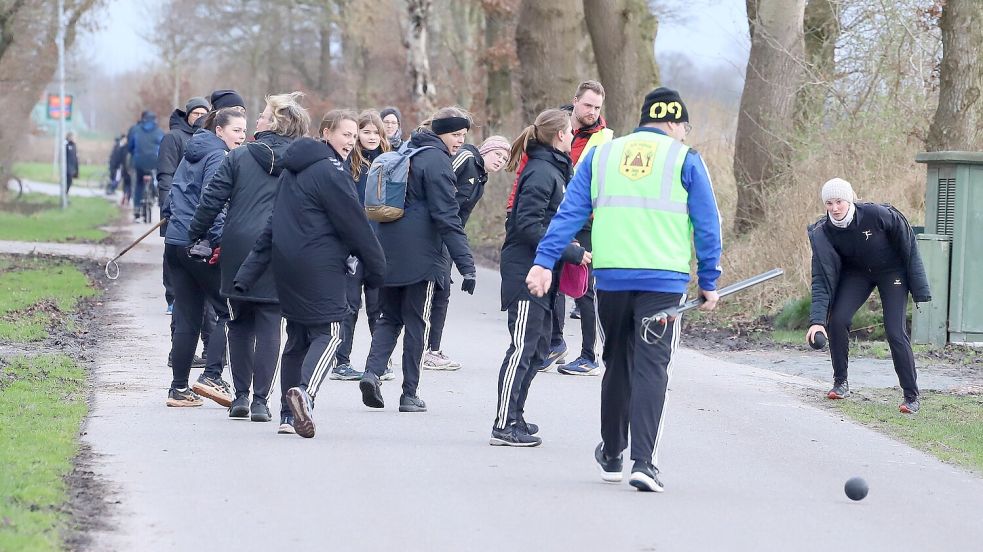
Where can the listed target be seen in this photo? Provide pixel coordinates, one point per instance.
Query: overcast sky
(713, 33)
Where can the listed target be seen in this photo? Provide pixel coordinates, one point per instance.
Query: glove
(470, 280)
(215, 254)
(200, 251)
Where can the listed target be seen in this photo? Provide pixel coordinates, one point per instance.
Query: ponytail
(544, 130)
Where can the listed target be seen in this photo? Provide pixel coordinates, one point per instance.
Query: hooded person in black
(316, 225)
(539, 192)
(371, 143)
(414, 246)
(247, 181)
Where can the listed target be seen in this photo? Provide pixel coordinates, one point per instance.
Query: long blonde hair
(359, 160)
(289, 118)
(547, 124)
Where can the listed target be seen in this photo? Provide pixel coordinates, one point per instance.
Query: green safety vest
(602, 136)
(641, 220)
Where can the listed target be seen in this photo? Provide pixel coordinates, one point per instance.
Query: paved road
(747, 465)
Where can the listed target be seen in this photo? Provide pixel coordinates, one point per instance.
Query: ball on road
(856, 488)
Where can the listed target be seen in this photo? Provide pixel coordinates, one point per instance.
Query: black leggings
(854, 289)
(195, 283)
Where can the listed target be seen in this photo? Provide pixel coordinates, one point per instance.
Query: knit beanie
(663, 105)
(195, 103)
(837, 188)
(391, 111)
(495, 143)
(226, 98)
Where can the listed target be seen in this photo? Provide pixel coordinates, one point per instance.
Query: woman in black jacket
(247, 182)
(855, 248)
(414, 246)
(539, 192)
(471, 167)
(194, 278)
(317, 224)
(371, 143)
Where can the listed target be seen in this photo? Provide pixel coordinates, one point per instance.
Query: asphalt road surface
(747, 464)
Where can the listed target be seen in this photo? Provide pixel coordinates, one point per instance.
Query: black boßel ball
(856, 488)
(818, 341)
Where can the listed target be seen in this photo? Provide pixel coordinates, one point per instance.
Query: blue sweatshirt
(576, 209)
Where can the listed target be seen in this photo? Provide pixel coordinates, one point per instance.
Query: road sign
(56, 109)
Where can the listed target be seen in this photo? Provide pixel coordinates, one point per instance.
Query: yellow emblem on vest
(637, 159)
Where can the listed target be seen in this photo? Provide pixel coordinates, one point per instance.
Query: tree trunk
(546, 39)
(424, 92)
(499, 60)
(765, 120)
(958, 122)
(623, 35)
(822, 30)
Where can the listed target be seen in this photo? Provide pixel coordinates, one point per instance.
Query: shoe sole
(496, 442)
(183, 404)
(404, 408)
(212, 394)
(645, 483)
(387, 377)
(260, 417)
(286, 430)
(344, 378)
(567, 372)
(447, 368)
(611, 477)
(303, 424)
(235, 413)
(371, 395)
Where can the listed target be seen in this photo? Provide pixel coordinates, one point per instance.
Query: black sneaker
(528, 427)
(239, 407)
(610, 467)
(259, 412)
(371, 390)
(645, 477)
(910, 405)
(512, 436)
(183, 397)
(197, 362)
(840, 390)
(214, 389)
(286, 425)
(411, 403)
(575, 313)
(300, 404)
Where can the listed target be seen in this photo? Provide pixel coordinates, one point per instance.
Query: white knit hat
(837, 188)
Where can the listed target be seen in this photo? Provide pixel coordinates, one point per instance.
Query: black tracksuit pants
(254, 336)
(195, 284)
(409, 307)
(372, 313)
(438, 315)
(529, 326)
(308, 356)
(588, 317)
(636, 376)
(853, 290)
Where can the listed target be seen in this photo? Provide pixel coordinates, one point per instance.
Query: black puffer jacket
(247, 181)
(537, 197)
(317, 223)
(887, 226)
(469, 168)
(414, 244)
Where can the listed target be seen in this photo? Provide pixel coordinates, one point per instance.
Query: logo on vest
(637, 159)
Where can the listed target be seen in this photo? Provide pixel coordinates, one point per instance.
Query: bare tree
(958, 122)
(547, 36)
(500, 60)
(765, 121)
(623, 35)
(424, 90)
(821, 30)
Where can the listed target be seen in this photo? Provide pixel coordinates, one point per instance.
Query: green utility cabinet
(930, 321)
(954, 209)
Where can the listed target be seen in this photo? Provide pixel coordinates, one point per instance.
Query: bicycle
(149, 201)
(19, 183)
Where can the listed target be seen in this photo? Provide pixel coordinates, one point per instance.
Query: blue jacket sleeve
(705, 218)
(573, 214)
(211, 168)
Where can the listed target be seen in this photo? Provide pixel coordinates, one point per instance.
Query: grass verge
(34, 293)
(41, 172)
(43, 401)
(40, 218)
(948, 426)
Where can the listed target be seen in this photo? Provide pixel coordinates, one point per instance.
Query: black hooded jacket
(317, 223)
(469, 168)
(169, 156)
(537, 198)
(880, 233)
(414, 244)
(247, 182)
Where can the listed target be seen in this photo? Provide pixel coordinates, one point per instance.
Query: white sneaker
(436, 360)
(388, 375)
(453, 363)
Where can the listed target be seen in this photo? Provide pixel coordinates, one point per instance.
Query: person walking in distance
(855, 248)
(414, 246)
(246, 185)
(143, 140)
(71, 161)
(652, 200)
(546, 145)
(316, 225)
(471, 168)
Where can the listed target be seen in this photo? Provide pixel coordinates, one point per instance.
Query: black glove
(200, 251)
(469, 282)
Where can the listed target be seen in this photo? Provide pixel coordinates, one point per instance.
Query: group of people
(268, 238)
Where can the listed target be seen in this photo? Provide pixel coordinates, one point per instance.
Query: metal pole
(62, 160)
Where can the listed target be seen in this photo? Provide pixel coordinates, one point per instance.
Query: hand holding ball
(818, 341)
